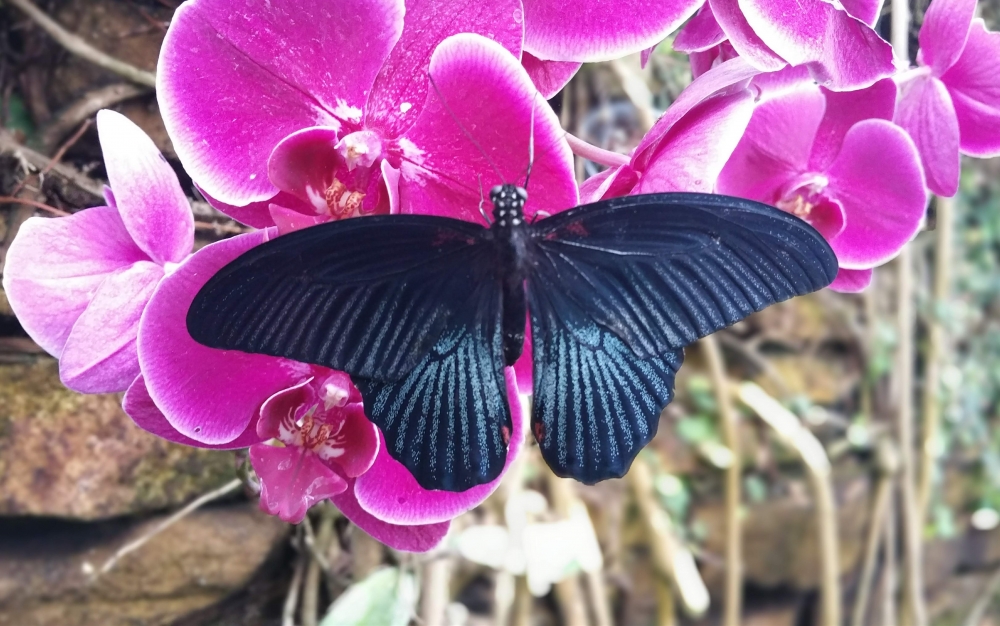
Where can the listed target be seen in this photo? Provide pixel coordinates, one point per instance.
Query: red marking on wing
(539, 431)
(574, 229)
(449, 236)
(505, 434)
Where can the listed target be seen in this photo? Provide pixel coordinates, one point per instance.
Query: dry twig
(81, 48)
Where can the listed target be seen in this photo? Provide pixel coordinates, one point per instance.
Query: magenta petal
(362, 439)
(843, 52)
(944, 32)
(100, 354)
(235, 78)
(401, 86)
(258, 214)
(55, 265)
(975, 92)
(878, 179)
(206, 394)
(549, 76)
(281, 404)
(146, 192)
(596, 30)
(292, 479)
(843, 110)
(389, 492)
(492, 96)
(742, 37)
(867, 11)
(728, 77)
(390, 178)
(692, 154)
(147, 416)
(596, 187)
(700, 33)
(852, 281)
(303, 165)
(775, 148)
(926, 113)
(409, 538)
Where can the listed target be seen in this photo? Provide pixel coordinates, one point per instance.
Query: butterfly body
(425, 312)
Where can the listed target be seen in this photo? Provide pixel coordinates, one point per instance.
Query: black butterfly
(424, 312)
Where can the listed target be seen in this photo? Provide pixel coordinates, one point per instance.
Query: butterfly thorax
(511, 236)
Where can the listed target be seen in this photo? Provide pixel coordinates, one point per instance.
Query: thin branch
(567, 591)
(978, 611)
(889, 582)
(38, 205)
(730, 436)
(292, 597)
(791, 431)
(888, 462)
(9, 145)
(943, 238)
(436, 592)
(81, 48)
(60, 153)
(224, 490)
(91, 102)
(316, 545)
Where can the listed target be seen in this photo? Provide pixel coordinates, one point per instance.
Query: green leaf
(697, 429)
(388, 598)
(18, 117)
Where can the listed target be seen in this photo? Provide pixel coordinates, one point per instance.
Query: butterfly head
(508, 205)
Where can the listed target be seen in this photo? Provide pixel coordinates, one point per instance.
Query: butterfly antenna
(482, 201)
(462, 128)
(531, 141)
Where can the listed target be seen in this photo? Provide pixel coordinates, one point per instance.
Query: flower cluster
(292, 113)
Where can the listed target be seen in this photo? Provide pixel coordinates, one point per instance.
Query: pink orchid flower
(834, 160)
(834, 41)
(78, 284)
(214, 398)
(951, 102)
(295, 112)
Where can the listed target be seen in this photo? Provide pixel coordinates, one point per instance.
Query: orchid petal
(600, 30)
(257, 214)
(549, 76)
(693, 153)
(700, 33)
(146, 192)
(289, 221)
(409, 538)
(925, 112)
(944, 32)
(401, 87)
(147, 416)
(975, 92)
(55, 265)
(742, 37)
(611, 183)
(868, 11)
(843, 110)
(452, 150)
(282, 404)
(292, 480)
(390, 177)
(852, 281)
(881, 216)
(842, 51)
(728, 77)
(775, 84)
(303, 165)
(100, 354)
(235, 78)
(362, 441)
(206, 394)
(389, 491)
(775, 148)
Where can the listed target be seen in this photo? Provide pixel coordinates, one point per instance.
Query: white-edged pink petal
(147, 416)
(549, 76)
(944, 32)
(206, 394)
(700, 33)
(236, 77)
(852, 281)
(599, 30)
(730, 17)
(55, 266)
(975, 92)
(100, 353)
(408, 538)
(926, 113)
(150, 200)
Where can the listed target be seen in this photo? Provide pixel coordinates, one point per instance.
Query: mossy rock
(65, 454)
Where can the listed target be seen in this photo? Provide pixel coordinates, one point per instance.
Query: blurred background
(786, 427)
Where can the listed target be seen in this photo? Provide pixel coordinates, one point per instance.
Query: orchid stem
(931, 402)
(730, 434)
(595, 154)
